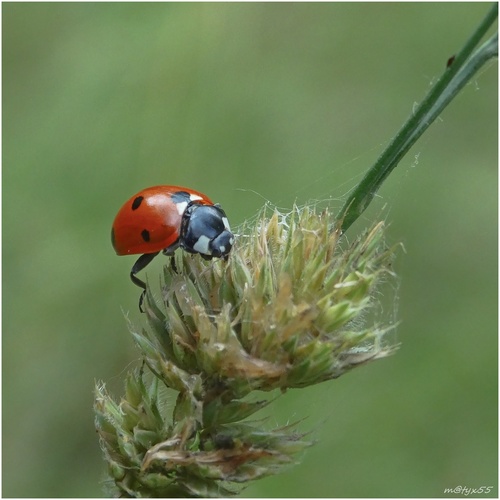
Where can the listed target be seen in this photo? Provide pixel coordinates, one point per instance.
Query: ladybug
(164, 218)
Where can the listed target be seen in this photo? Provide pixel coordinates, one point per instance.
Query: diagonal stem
(455, 77)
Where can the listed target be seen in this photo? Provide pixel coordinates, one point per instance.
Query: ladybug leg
(170, 252)
(173, 265)
(139, 265)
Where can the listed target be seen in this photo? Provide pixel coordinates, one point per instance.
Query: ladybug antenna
(139, 265)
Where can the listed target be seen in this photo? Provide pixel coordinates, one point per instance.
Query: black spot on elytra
(137, 202)
(145, 235)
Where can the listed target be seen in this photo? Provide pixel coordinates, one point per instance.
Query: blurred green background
(247, 103)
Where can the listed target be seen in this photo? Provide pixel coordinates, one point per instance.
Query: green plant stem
(456, 75)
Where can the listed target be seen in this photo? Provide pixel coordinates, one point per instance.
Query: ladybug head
(205, 230)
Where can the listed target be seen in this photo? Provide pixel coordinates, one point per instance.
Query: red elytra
(157, 210)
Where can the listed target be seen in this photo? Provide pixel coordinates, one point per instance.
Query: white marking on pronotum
(194, 197)
(181, 207)
(201, 246)
(226, 223)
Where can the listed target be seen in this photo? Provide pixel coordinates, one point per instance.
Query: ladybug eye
(221, 246)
